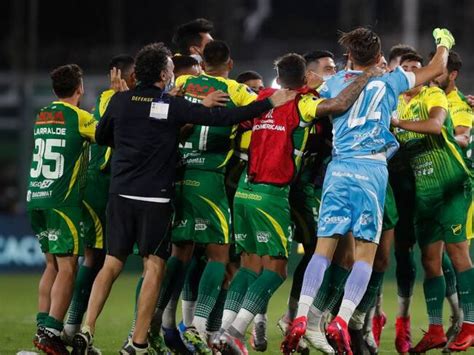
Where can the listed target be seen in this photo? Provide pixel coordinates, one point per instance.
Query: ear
(230, 64)
(163, 75)
(453, 75)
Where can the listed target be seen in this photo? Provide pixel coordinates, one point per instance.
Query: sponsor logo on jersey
(188, 182)
(196, 161)
(49, 117)
(336, 219)
(350, 175)
(181, 223)
(201, 224)
(263, 237)
(41, 194)
(53, 234)
(366, 219)
(41, 184)
(247, 196)
(269, 125)
(240, 237)
(457, 229)
(198, 90)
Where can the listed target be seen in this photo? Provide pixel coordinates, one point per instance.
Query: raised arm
(444, 42)
(348, 96)
(432, 125)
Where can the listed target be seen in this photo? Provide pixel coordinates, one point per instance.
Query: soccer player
(185, 65)
(94, 203)
(191, 38)
(252, 79)
(261, 208)
(54, 199)
(142, 127)
(443, 197)
(396, 53)
(356, 180)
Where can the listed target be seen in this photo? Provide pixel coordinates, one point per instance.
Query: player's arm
(432, 125)
(444, 41)
(348, 96)
(241, 94)
(87, 125)
(104, 134)
(462, 135)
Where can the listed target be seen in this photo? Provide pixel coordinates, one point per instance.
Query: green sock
(40, 318)
(209, 288)
(52, 323)
(215, 318)
(82, 290)
(174, 268)
(375, 283)
(405, 272)
(191, 280)
(137, 295)
(466, 293)
(332, 287)
(260, 291)
(435, 291)
(238, 288)
(449, 275)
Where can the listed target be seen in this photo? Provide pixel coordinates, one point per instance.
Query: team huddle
(210, 179)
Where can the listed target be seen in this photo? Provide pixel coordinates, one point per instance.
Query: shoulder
(182, 79)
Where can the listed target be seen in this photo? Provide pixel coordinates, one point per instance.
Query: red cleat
(338, 336)
(403, 335)
(293, 335)
(464, 339)
(378, 322)
(434, 338)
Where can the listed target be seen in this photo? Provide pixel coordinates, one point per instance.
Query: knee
(381, 262)
(460, 258)
(346, 261)
(431, 265)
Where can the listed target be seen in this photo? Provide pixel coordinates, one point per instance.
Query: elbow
(437, 128)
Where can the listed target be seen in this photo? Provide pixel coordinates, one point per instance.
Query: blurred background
(36, 36)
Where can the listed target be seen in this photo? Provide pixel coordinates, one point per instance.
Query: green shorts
(59, 230)
(444, 218)
(202, 209)
(262, 222)
(390, 213)
(95, 200)
(305, 200)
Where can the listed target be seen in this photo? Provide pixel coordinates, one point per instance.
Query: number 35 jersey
(363, 130)
(60, 155)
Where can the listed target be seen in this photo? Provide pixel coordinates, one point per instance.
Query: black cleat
(49, 343)
(81, 343)
(358, 344)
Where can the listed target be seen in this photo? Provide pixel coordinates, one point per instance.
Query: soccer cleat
(283, 324)
(378, 323)
(464, 339)
(294, 333)
(316, 337)
(358, 343)
(258, 338)
(173, 341)
(192, 338)
(230, 345)
(82, 344)
(454, 329)
(371, 343)
(130, 349)
(92, 350)
(49, 342)
(434, 338)
(156, 342)
(403, 342)
(338, 336)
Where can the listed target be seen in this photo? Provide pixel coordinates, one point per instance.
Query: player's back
(363, 130)
(59, 158)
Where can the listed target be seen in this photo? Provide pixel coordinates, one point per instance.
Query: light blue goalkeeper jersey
(363, 130)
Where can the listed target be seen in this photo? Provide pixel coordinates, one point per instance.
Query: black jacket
(146, 148)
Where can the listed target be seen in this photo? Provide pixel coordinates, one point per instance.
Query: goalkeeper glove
(443, 38)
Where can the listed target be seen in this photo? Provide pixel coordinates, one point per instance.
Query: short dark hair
(316, 55)
(189, 34)
(150, 61)
(66, 79)
(124, 62)
(363, 44)
(216, 53)
(291, 70)
(399, 50)
(182, 62)
(412, 57)
(248, 75)
(454, 62)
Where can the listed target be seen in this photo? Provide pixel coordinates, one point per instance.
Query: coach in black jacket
(142, 125)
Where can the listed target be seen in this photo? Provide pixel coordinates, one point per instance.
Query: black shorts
(132, 221)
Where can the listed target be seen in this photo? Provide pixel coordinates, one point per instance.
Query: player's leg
(44, 289)
(452, 297)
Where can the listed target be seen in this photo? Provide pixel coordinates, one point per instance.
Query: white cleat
(283, 323)
(317, 339)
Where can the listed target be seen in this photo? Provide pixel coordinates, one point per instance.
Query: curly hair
(363, 44)
(66, 79)
(150, 61)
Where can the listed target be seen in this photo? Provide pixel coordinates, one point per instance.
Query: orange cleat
(403, 335)
(293, 335)
(464, 340)
(338, 336)
(378, 322)
(434, 338)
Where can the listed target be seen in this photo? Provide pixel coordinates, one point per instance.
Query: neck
(224, 73)
(413, 92)
(451, 87)
(358, 67)
(73, 100)
(160, 84)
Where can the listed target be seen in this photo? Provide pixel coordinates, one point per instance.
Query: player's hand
(116, 81)
(394, 120)
(176, 91)
(470, 100)
(443, 38)
(216, 98)
(374, 71)
(313, 80)
(282, 96)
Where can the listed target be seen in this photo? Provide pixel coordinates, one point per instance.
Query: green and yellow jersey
(436, 160)
(209, 148)
(59, 165)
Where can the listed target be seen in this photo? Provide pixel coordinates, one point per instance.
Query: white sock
(404, 306)
(260, 318)
(54, 331)
(346, 310)
(315, 317)
(304, 304)
(357, 320)
(200, 324)
(169, 314)
(242, 321)
(71, 329)
(453, 301)
(188, 312)
(228, 318)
